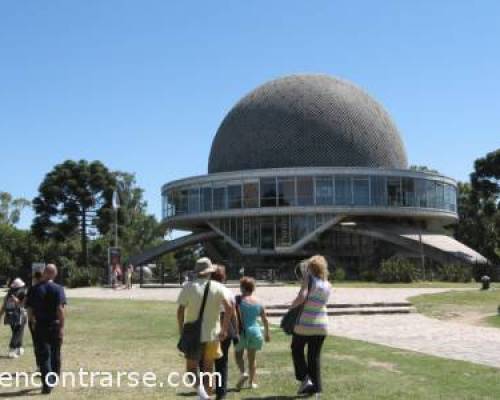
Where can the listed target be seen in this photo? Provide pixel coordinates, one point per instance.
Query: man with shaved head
(45, 303)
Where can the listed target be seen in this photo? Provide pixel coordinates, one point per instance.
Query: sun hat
(204, 266)
(17, 283)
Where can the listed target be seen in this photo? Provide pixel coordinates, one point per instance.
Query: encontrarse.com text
(100, 379)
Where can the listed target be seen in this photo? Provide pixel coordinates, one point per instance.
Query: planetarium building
(311, 164)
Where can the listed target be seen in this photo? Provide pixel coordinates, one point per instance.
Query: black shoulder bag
(292, 316)
(190, 341)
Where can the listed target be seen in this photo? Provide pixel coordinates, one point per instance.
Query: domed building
(310, 164)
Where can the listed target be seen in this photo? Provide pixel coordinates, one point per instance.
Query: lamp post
(113, 252)
(116, 206)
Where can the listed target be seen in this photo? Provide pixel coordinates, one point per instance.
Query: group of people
(224, 319)
(41, 307)
(118, 276)
(220, 319)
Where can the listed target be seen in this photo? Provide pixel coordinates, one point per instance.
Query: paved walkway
(269, 295)
(406, 331)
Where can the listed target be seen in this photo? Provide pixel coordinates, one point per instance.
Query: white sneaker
(241, 381)
(254, 386)
(20, 351)
(202, 394)
(306, 383)
(12, 353)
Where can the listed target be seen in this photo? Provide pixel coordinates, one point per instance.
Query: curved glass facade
(301, 191)
(272, 232)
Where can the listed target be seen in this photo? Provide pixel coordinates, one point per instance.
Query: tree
(10, 208)
(73, 197)
(423, 168)
(138, 230)
(479, 208)
(18, 250)
(486, 175)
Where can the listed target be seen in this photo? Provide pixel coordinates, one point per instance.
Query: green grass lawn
(122, 335)
(461, 304)
(419, 284)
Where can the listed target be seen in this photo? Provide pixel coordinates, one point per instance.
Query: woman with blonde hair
(312, 325)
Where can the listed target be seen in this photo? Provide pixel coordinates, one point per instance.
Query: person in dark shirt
(15, 316)
(35, 280)
(45, 304)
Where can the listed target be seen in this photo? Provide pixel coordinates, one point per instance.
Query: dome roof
(306, 121)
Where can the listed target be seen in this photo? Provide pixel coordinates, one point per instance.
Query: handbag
(292, 316)
(190, 340)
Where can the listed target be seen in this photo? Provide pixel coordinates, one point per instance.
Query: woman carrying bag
(311, 326)
(15, 316)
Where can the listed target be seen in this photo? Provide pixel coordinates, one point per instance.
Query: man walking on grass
(190, 302)
(45, 304)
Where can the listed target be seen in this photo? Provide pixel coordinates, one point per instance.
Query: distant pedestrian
(130, 274)
(198, 320)
(251, 338)
(46, 303)
(312, 326)
(116, 275)
(15, 316)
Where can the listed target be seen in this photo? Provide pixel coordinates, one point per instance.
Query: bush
(339, 274)
(480, 270)
(75, 276)
(396, 270)
(455, 273)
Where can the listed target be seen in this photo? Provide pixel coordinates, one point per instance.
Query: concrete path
(269, 295)
(407, 331)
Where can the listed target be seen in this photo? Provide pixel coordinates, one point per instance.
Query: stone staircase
(279, 310)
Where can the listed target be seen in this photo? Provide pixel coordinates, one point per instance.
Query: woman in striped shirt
(312, 326)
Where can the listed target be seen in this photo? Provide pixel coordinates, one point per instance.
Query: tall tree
(10, 208)
(486, 175)
(479, 208)
(138, 230)
(72, 197)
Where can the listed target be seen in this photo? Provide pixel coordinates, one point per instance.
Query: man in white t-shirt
(189, 304)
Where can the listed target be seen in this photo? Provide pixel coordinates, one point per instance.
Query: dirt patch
(475, 318)
(384, 365)
(371, 363)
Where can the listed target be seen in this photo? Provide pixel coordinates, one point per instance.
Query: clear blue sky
(143, 85)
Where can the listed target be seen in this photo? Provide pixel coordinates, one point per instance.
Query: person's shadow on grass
(20, 393)
(189, 394)
(274, 398)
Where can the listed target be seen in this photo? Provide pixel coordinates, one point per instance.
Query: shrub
(479, 270)
(75, 276)
(396, 270)
(339, 274)
(455, 273)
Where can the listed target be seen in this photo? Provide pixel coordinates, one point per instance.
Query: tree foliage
(11, 208)
(72, 197)
(138, 230)
(479, 208)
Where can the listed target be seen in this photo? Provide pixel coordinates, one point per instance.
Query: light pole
(116, 206)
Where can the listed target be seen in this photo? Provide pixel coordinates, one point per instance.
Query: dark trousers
(312, 367)
(16, 340)
(221, 368)
(48, 349)
(32, 331)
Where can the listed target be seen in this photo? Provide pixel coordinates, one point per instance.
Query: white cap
(17, 283)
